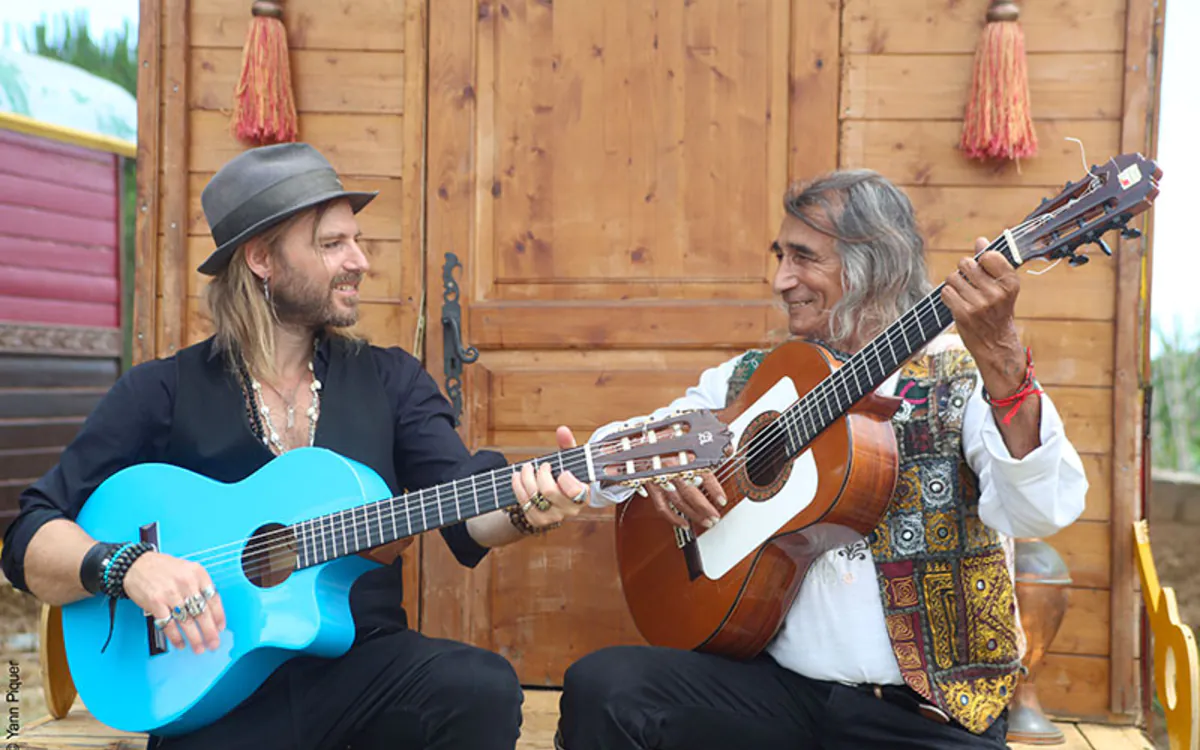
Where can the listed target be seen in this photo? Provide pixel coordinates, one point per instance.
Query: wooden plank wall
(59, 233)
(906, 66)
(60, 304)
(45, 395)
(902, 67)
(354, 91)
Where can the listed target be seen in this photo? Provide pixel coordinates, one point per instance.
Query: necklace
(270, 436)
(289, 403)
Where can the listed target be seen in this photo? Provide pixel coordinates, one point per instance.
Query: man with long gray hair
(908, 638)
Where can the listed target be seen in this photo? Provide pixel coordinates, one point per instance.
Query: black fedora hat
(263, 186)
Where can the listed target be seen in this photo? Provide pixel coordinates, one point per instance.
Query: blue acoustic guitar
(282, 549)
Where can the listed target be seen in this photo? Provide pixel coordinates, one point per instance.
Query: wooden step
(79, 731)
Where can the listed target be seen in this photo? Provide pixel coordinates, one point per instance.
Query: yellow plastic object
(1176, 665)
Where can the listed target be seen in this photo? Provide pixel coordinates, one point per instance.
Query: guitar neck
(865, 371)
(375, 524)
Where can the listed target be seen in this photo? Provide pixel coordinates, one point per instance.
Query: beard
(304, 302)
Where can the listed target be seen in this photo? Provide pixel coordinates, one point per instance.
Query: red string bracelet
(1029, 387)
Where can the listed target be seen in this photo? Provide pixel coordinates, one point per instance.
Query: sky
(1174, 299)
(103, 15)
(1175, 303)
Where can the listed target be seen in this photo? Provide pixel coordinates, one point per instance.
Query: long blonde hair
(244, 321)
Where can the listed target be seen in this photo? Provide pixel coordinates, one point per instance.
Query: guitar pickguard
(748, 524)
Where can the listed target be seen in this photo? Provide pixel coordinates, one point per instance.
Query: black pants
(399, 691)
(644, 698)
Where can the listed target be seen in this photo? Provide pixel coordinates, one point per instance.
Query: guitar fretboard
(860, 374)
(354, 530)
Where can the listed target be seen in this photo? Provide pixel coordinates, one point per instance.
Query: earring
(266, 289)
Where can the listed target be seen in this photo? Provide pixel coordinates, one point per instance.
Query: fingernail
(721, 500)
(709, 523)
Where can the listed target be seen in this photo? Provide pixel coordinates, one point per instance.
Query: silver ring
(578, 499)
(195, 605)
(162, 622)
(208, 592)
(179, 613)
(525, 508)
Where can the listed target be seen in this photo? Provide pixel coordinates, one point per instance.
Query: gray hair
(881, 248)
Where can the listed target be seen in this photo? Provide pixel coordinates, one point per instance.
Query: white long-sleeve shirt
(835, 629)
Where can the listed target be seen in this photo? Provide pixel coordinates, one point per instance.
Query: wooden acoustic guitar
(815, 462)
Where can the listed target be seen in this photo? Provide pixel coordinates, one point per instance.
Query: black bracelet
(114, 574)
(91, 570)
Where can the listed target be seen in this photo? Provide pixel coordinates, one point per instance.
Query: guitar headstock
(1106, 199)
(674, 447)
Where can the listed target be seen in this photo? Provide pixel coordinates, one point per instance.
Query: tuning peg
(1078, 260)
(1104, 246)
(1131, 233)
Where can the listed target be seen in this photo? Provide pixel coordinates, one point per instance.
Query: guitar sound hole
(764, 468)
(270, 556)
(767, 464)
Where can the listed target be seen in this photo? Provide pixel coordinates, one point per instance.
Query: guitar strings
(926, 312)
(825, 392)
(406, 499)
(573, 459)
(823, 395)
(805, 407)
(349, 533)
(319, 534)
(768, 439)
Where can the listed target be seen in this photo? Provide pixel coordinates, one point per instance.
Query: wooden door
(609, 175)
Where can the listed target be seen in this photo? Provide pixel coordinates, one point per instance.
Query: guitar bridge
(157, 639)
(683, 537)
(685, 540)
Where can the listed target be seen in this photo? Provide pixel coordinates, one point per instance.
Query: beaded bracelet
(95, 561)
(118, 566)
(523, 525)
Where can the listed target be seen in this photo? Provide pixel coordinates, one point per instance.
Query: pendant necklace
(270, 435)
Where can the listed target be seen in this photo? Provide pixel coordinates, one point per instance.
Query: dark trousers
(645, 698)
(399, 691)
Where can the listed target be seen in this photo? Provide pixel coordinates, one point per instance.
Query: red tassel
(998, 123)
(264, 110)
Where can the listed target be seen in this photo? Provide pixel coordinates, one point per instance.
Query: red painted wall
(59, 233)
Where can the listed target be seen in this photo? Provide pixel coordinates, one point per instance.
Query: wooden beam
(1145, 651)
(939, 27)
(1062, 86)
(416, 58)
(416, 33)
(813, 142)
(1139, 121)
(145, 276)
(172, 257)
(450, 166)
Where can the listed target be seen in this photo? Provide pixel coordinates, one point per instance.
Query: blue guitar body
(177, 691)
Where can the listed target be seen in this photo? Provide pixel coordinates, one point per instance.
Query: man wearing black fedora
(282, 370)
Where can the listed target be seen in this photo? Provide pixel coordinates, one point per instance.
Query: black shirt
(132, 424)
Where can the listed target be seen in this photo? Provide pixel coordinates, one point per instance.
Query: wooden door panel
(645, 324)
(619, 125)
(537, 400)
(610, 177)
(560, 591)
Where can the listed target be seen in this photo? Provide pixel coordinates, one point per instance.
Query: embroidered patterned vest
(944, 577)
